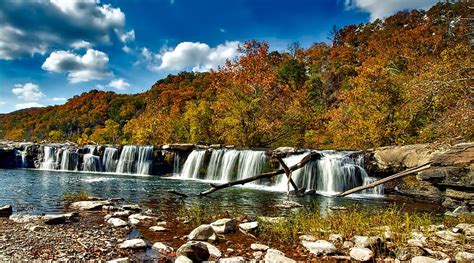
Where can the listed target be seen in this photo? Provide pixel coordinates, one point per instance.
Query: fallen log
(302, 163)
(287, 172)
(387, 179)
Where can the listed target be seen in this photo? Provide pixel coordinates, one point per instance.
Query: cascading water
(91, 163)
(49, 158)
(109, 160)
(126, 163)
(69, 160)
(176, 163)
(214, 164)
(250, 163)
(228, 164)
(145, 159)
(193, 165)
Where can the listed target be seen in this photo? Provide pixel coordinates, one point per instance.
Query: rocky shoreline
(108, 230)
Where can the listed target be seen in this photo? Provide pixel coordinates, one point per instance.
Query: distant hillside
(402, 80)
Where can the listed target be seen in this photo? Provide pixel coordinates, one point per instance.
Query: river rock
(122, 214)
(347, 245)
(361, 254)
(422, 259)
(162, 248)
(6, 211)
(232, 260)
(203, 233)
(90, 205)
(289, 204)
(116, 222)
(320, 247)
(142, 220)
(194, 250)
(307, 238)
(132, 207)
(464, 257)
(466, 229)
(213, 250)
(58, 219)
(133, 243)
(249, 227)
(259, 247)
(335, 238)
(274, 255)
(416, 243)
(361, 241)
(22, 219)
(272, 220)
(224, 226)
(406, 253)
(119, 260)
(158, 229)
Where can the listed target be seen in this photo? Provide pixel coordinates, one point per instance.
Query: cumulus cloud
(25, 105)
(118, 84)
(126, 36)
(382, 9)
(28, 91)
(29, 27)
(190, 55)
(58, 99)
(93, 65)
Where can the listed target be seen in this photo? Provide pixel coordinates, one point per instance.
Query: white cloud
(118, 84)
(25, 105)
(29, 27)
(93, 65)
(58, 99)
(126, 36)
(29, 91)
(382, 9)
(190, 55)
(2, 103)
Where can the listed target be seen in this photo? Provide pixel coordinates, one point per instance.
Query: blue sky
(51, 50)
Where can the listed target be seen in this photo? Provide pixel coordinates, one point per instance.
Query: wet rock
(422, 259)
(6, 211)
(232, 260)
(249, 227)
(119, 260)
(224, 226)
(406, 253)
(133, 244)
(183, 259)
(116, 222)
(259, 247)
(361, 254)
(203, 233)
(162, 248)
(310, 192)
(213, 250)
(158, 229)
(464, 257)
(90, 205)
(274, 255)
(142, 220)
(320, 247)
(132, 207)
(22, 219)
(195, 251)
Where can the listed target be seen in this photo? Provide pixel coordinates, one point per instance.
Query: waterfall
(126, 163)
(91, 163)
(49, 158)
(250, 163)
(109, 160)
(176, 163)
(19, 160)
(214, 164)
(193, 164)
(145, 159)
(227, 170)
(69, 160)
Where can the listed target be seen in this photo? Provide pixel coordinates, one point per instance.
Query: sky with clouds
(51, 50)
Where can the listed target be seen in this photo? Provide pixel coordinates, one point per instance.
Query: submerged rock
(274, 255)
(203, 233)
(195, 251)
(361, 254)
(320, 247)
(6, 211)
(224, 226)
(289, 204)
(133, 243)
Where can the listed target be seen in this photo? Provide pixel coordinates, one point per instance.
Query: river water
(40, 191)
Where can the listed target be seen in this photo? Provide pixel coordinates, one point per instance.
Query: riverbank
(110, 229)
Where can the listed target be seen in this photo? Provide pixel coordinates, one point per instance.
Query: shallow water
(38, 191)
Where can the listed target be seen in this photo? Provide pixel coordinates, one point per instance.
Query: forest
(406, 79)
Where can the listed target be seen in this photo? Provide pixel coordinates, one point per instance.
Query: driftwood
(302, 163)
(287, 172)
(177, 193)
(387, 179)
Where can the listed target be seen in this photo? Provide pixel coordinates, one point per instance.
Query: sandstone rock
(195, 251)
(89, 205)
(213, 250)
(54, 219)
(347, 244)
(361, 241)
(466, 229)
(224, 226)
(232, 260)
(448, 235)
(132, 207)
(274, 255)
(6, 211)
(416, 243)
(203, 233)
(158, 229)
(335, 238)
(406, 253)
(122, 214)
(119, 260)
(116, 222)
(21, 219)
(162, 248)
(142, 220)
(307, 238)
(259, 247)
(422, 259)
(249, 227)
(464, 257)
(133, 244)
(320, 247)
(361, 254)
(178, 146)
(183, 259)
(258, 255)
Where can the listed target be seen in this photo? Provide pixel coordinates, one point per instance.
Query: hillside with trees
(406, 79)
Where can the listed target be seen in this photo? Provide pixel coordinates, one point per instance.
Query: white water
(193, 164)
(69, 160)
(145, 159)
(91, 163)
(49, 158)
(127, 159)
(110, 159)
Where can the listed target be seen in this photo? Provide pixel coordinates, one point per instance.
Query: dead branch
(287, 172)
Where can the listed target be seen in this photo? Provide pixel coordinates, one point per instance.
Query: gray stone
(122, 214)
(249, 227)
(361, 254)
(132, 207)
(133, 244)
(183, 259)
(416, 243)
(162, 248)
(224, 226)
(21, 219)
(464, 257)
(203, 233)
(142, 220)
(213, 250)
(6, 211)
(335, 238)
(196, 251)
(307, 238)
(422, 259)
(116, 222)
(54, 219)
(274, 255)
(119, 260)
(406, 253)
(347, 244)
(89, 205)
(448, 235)
(466, 229)
(232, 260)
(361, 241)
(259, 247)
(158, 229)
(320, 247)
